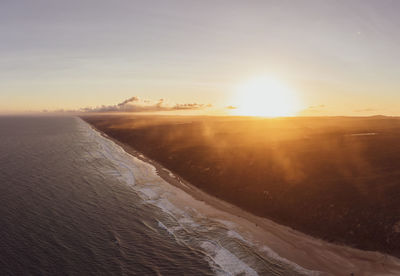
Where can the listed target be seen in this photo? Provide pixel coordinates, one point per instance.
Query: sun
(265, 97)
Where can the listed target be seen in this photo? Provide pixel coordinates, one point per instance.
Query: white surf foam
(227, 261)
(236, 235)
(170, 231)
(273, 255)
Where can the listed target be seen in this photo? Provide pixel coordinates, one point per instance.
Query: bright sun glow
(265, 97)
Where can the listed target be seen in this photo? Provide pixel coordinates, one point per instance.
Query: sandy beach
(281, 242)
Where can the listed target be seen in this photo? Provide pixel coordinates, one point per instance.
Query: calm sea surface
(74, 203)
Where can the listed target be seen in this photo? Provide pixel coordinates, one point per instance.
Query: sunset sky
(336, 57)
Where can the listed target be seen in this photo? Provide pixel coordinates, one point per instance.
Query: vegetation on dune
(334, 178)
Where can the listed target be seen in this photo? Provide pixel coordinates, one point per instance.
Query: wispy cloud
(127, 101)
(313, 109)
(365, 110)
(317, 106)
(231, 107)
(136, 104)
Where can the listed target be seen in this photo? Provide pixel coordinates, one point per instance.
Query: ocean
(73, 202)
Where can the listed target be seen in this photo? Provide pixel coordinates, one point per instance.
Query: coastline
(306, 251)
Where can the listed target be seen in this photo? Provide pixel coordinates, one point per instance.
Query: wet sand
(292, 246)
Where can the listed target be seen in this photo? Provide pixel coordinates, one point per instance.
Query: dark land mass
(336, 178)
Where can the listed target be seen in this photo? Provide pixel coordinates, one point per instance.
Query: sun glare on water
(265, 97)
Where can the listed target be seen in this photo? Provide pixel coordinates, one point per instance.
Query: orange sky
(337, 57)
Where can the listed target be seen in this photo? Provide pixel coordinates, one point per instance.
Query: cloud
(365, 110)
(135, 104)
(132, 99)
(313, 109)
(316, 106)
(231, 107)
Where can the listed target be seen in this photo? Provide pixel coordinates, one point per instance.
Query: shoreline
(298, 248)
